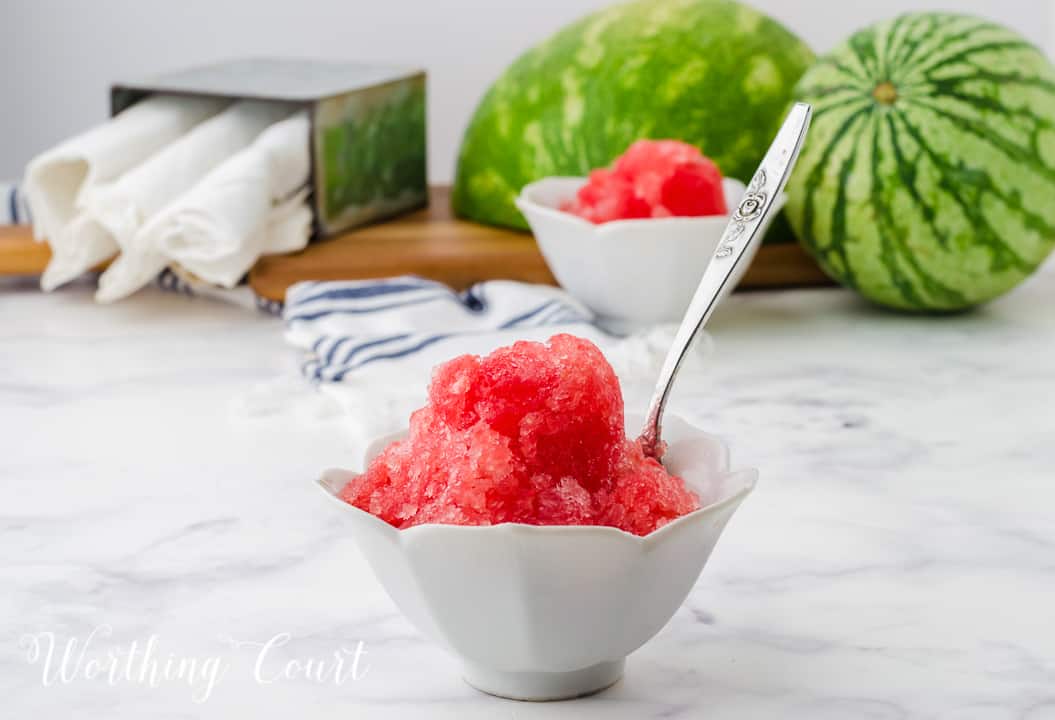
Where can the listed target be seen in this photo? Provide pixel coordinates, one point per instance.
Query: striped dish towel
(242, 296)
(370, 345)
(13, 207)
(345, 327)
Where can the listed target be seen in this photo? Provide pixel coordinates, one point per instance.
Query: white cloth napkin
(120, 209)
(55, 179)
(246, 207)
(373, 343)
(58, 181)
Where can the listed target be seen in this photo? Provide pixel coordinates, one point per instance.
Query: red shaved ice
(652, 179)
(532, 433)
(608, 197)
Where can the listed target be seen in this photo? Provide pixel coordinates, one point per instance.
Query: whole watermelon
(928, 178)
(714, 73)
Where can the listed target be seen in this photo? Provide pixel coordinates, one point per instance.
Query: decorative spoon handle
(740, 234)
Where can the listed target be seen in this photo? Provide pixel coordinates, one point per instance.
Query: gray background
(59, 56)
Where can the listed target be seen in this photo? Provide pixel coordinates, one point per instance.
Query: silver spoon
(740, 234)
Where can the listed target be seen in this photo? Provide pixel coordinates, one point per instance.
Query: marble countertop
(896, 561)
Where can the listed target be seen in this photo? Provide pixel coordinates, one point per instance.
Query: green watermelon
(714, 73)
(927, 181)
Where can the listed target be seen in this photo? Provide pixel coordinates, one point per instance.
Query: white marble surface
(897, 560)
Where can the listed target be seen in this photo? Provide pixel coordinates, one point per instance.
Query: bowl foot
(541, 686)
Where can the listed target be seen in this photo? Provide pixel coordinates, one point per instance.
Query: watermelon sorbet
(652, 179)
(533, 433)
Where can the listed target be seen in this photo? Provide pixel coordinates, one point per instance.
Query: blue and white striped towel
(344, 327)
(13, 207)
(371, 345)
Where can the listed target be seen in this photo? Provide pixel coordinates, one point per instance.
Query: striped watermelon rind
(928, 178)
(713, 73)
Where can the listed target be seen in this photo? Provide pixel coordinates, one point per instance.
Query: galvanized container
(367, 127)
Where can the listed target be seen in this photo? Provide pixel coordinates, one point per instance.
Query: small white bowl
(550, 612)
(630, 272)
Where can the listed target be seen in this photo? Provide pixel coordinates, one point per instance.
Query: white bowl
(630, 272)
(550, 612)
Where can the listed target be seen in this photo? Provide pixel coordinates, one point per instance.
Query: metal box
(367, 127)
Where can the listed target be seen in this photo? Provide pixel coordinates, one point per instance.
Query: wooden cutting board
(20, 254)
(431, 243)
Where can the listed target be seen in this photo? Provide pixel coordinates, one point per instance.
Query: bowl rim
(526, 203)
(749, 481)
(656, 536)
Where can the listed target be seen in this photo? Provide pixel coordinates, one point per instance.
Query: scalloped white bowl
(630, 272)
(550, 612)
